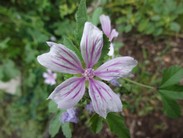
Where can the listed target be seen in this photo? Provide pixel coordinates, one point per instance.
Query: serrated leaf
(81, 18)
(105, 48)
(66, 130)
(54, 125)
(171, 76)
(175, 92)
(96, 123)
(96, 15)
(170, 107)
(69, 44)
(117, 125)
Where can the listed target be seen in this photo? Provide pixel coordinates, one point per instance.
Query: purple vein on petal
(66, 94)
(92, 52)
(99, 51)
(107, 71)
(92, 92)
(105, 90)
(86, 50)
(66, 85)
(79, 69)
(77, 92)
(94, 84)
(64, 66)
(71, 56)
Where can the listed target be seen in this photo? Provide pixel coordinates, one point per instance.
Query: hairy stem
(139, 84)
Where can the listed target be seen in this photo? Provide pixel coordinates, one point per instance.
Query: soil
(160, 53)
(156, 54)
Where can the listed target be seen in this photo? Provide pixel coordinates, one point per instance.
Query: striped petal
(60, 59)
(104, 100)
(106, 25)
(113, 34)
(116, 68)
(91, 44)
(68, 93)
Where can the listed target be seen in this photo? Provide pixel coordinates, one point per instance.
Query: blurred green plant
(150, 17)
(26, 26)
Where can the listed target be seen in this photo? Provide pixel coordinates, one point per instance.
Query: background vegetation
(150, 31)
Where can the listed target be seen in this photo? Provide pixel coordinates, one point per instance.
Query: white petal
(68, 93)
(106, 25)
(111, 50)
(91, 44)
(45, 75)
(104, 100)
(60, 59)
(116, 68)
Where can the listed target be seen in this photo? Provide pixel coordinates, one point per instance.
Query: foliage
(154, 17)
(96, 123)
(117, 125)
(26, 26)
(170, 90)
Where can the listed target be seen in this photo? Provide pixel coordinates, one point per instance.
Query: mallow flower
(50, 77)
(68, 93)
(108, 31)
(70, 115)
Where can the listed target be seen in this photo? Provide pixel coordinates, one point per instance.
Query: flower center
(89, 73)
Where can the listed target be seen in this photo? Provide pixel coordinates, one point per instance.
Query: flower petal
(68, 93)
(113, 34)
(111, 50)
(91, 44)
(116, 68)
(60, 59)
(104, 100)
(70, 116)
(106, 24)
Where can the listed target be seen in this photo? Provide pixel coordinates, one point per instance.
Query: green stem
(140, 84)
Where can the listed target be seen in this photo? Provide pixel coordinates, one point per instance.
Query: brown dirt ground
(160, 53)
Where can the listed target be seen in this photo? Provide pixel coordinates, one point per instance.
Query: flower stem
(139, 84)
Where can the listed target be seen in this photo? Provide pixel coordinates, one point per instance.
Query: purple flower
(69, 93)
(69, 116)
(89, 107)
(110, 33)
(49, 77)
(115, 82)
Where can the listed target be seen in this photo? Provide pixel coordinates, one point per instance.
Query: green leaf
(4, 43)
(52, 107)
(155, 18)
(96, 123)
(171, 76)
(81, 18)
(69, 44)
(128, 28)
(174, 92)
(171, 108)
(96, 15)
(66, 130)
(105, 48)
(54, 125)
(117, 125)
(9, 70)
(143, 25)
(175, 27)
